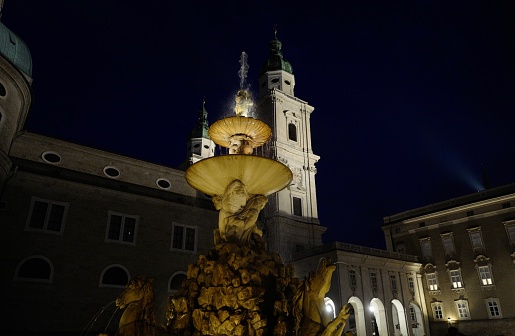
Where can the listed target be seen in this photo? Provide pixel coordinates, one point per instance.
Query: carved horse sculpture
(311, 319)
(139, 316)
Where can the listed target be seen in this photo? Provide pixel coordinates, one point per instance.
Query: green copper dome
(14, 49)
(275, 58)
(201, 130)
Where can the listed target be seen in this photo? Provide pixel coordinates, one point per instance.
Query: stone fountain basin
(261, 175)
(256, 130)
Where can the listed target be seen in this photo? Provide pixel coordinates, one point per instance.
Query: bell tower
(15, 94)
(200, 146)
(291, 217)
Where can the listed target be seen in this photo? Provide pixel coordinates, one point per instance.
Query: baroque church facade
(78, 222)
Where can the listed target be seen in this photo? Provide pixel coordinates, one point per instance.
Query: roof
(15, 50)
(479, 196)
(275, 59)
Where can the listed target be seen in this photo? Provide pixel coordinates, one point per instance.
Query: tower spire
(200, 130)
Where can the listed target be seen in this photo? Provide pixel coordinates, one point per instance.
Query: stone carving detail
(297, 181)
(236, 289)
(309, 305)
(238, 213)
(138, 317)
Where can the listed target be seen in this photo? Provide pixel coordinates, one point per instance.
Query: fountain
(238, 287)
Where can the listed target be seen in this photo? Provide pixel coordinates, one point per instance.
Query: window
(114, 276)
(485, 276)
(122, 228)
(462, 307)
(373, 280)
(470, 213)
(36, 269)
(448, 243)
(47, 216)
(437, 310)
(411, 284)
(297, 206)
(184, 237)
(412, 315)
(163, 183)
(111, 171)
(510, 231)
(352, 278)
(425, 246)
(292, 132)
(456, 278)
(176, 282)
(400, 247)
(476, 238)
(51, 157)
(393, 282)
(493, 308)
(506, 205)
(432, 281)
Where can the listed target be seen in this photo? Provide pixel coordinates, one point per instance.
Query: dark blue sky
(412, 98)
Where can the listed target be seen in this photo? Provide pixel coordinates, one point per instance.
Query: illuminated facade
(385, 289)
(78, 222)
(467, 249)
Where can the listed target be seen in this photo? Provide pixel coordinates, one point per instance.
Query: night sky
(414, 100)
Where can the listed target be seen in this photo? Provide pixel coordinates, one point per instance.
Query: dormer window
(476, 238)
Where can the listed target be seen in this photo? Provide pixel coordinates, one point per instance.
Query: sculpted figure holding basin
(238, 213)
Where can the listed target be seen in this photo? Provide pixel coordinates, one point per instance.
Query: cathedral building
(77, 223)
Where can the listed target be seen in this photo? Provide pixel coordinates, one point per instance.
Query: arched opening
(114, 276)
(330, 307)
(416, 320)
(399, 318)
(356, 322)
(378, 317)
(35, 268)
(175, 282)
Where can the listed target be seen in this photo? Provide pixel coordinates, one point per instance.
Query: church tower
(15, 93)
(291, 216)
(200, 146)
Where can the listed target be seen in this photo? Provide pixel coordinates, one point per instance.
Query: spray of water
(90, 324)
(244, 69)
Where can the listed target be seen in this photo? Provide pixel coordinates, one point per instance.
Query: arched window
(175, 282)
(330, 308)
(114, 276)
(292, 132)
(35, 268)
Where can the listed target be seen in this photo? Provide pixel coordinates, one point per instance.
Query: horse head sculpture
(138, 301)
(311, 319)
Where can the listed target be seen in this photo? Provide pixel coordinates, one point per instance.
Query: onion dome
(276, 60)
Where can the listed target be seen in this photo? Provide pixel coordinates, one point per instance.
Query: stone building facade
(385, 289)
(77, 222)
(467, 249)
